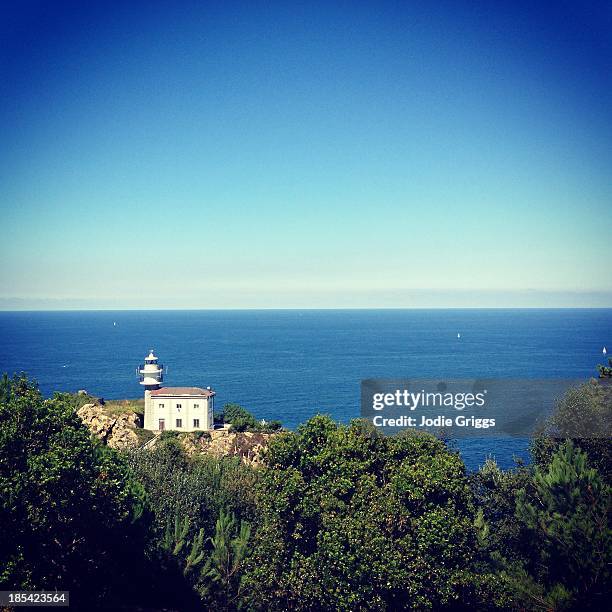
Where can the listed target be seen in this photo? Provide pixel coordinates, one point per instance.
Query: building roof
(183, 391)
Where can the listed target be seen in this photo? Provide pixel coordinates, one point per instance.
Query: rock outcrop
(118, 431)
(248, 446)
(123, 431)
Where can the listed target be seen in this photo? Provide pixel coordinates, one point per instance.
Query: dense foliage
(71, 516)
(202, 510)
(352, 519)
(566, 510)
(548, 525)
(338, 518)
(197, 489)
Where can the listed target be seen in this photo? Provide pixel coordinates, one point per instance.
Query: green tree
(506, 538)
(567, 512)
(188, 495)
(222, 573)
(350, 519)
(196, 488)
(5, 388)
(189, 554)
(71, 515)
(605, 371)
(240, 418)
(242, 423)
(584, 415)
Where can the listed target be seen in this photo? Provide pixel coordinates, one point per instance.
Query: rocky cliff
(123, 431)
(118, 431)
(248, 446)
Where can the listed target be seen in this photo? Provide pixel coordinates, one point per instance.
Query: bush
(195, 488)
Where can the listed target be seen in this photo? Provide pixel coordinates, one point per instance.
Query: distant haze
(327, 155)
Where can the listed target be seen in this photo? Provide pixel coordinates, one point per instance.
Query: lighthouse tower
(151, 375)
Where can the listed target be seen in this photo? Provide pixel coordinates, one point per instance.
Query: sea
(292, 364)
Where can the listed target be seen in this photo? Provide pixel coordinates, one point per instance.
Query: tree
(71, 515)
(196, 488)
(350, 519)
(198, 503)
(584, 414)
(605, 371)
(240, 418)
(506, 538)
(520, 544)
(568, 514)
(5, 388)
(176, 544)
(221, 575)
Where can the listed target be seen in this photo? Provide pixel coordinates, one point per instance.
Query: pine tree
(196, 554)
(223, 567)
(174, 537)
(568, 512)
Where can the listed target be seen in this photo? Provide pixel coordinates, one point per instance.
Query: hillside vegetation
(335, 517)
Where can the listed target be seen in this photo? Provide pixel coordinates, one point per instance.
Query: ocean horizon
(290, 364)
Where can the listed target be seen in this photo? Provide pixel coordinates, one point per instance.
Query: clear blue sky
(286, 154)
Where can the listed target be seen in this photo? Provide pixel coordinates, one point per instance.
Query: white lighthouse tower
(151, 376)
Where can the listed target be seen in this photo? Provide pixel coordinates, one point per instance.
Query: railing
(159, 366)
(159, 377)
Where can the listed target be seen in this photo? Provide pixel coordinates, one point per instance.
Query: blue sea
(292, 364)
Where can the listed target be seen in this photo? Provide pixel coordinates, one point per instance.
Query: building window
(161, 406)
(178, 406)
(196, 405)
(196, 422)
(179, 422)
(162, 424)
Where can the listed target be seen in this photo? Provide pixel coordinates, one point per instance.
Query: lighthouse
(151, 375)
(173, 408)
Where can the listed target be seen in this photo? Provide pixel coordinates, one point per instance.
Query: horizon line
(297, 308)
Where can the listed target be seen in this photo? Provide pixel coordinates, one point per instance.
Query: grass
(110, 407)
(119, 407)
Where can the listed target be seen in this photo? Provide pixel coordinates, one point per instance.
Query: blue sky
(212, 155)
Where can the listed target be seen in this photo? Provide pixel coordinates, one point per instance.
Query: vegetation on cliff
(240, 419)
(336, 517)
